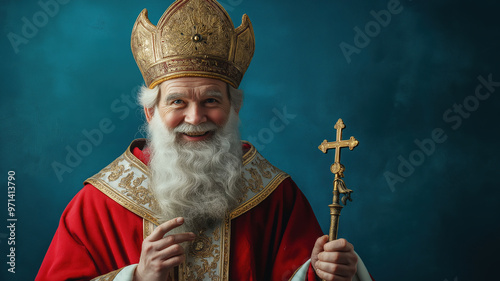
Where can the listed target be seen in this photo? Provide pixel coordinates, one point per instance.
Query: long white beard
(199, 181)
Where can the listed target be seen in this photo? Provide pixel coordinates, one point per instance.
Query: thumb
(318, 248)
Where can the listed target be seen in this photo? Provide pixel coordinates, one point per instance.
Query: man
(193, 202)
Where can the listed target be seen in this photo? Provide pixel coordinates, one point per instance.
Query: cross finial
(338, 143)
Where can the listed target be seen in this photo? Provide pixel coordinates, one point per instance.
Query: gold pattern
(121, 180)
(147, 228)
(255, 183)
(256, 199)
(225, 244)
(250, 154)
(263, 165)
(206, 253)
(192, 38)
(136, 191)
(216, 233)
(115, 170)
(202, 246)
(338, 169)
(260, 168)
(208, 257)
(123, 200)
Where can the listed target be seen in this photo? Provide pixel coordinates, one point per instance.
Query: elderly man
(193, 202)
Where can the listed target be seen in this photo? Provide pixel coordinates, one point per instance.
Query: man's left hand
(334, 260)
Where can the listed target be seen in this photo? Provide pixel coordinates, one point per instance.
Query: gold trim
(259, 197)
(181, 269)
(226, 246)
(250, 154)
(201, 66)
(147, 228)
(129, 155)
(204, 75)
(122, 200)
(132, 189)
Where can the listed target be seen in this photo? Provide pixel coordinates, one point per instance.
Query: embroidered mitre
(192, 38)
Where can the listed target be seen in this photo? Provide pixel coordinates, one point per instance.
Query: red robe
(96, 235)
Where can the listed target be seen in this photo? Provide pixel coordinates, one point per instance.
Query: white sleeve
(362, 272)
(301, 273)
(126, 274)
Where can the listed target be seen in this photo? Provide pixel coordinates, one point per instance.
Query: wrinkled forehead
(190, 83)
(173, 95)
(194, 86)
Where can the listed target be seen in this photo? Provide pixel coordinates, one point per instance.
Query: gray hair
(148, 98)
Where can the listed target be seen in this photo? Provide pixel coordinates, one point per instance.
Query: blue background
(438, 221)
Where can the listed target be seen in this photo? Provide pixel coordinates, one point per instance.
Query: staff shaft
(335, 209)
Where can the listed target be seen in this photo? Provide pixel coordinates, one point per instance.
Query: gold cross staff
(338, 169)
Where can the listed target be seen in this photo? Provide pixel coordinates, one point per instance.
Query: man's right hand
(161, 253)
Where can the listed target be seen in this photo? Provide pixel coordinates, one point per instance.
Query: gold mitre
(192, 38)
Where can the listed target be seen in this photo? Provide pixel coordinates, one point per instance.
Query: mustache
(190, 128)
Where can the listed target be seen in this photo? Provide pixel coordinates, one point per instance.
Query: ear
(149, 112)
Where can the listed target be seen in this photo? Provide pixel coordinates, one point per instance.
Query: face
(194, 101)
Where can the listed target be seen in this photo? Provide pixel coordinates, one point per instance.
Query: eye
(210, 100)
(178, 102)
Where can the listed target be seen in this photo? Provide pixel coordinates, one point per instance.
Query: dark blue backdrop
(415, 82)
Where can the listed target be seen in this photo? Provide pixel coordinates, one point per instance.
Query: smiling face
(195, 150)
(193, 107)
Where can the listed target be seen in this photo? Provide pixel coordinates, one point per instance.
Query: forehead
(192, 85)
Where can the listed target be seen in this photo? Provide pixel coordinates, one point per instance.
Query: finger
(320, 243)
(174, 239)
(330, 277)
(346, 258)
(324, 275)
(339, 245)
(337, 270)
(318, 248)
(170, 252)
(165, 227)
(174, 261)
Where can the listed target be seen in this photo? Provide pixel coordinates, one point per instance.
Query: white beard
(200, 181)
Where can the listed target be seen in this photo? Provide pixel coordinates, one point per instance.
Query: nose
(195, 115)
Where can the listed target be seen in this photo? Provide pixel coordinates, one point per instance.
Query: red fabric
(96, 236)
(143, 156)
(273, 240)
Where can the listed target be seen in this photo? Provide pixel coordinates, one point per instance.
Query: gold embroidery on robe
(126, 180)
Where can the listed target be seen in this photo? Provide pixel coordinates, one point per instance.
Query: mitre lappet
(192, 38)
